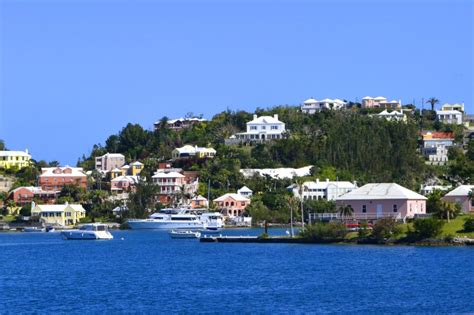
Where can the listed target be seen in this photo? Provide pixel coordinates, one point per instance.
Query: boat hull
(87, 235)
(164, 225)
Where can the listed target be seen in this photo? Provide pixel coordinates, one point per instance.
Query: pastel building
(326, 189)
(109, 161)
(380, 102)
(180, 123)
(245, 192)
(189, 151)
(449, 117)
(199, 202)
(436, 145)
(55, 178)
(63, 215)
(122, 184)
(26, 195)
(14, 159)
(260, 129)
(462, 195)
(232, 205)
(311, 106)
(375, 201)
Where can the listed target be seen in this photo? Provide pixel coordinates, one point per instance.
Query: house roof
(245, 189)
(49, 172)
(199, 198)
(381, 191)
(130, 179)
(380, 98)
(367, 98)
(112, 155)
(393, 113)
(460, 191)
(439, 135)
(14, 153)
(265, 120)
(325, 184)
(34, 190)
(116, 170)
(278, 172)
(167, 175)
(446, 112)
(236, 197)
(310, 101)
(137, 163)
(59, 208)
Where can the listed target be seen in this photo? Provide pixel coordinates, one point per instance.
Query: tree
(258, 211)
(427, 228)
(345, 211)
(2, 145)
(324, 231)
(386, 228)
(142, 201)
(468, 225)
(432, 101)
(448, 210)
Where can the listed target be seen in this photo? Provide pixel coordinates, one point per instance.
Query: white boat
(175, 219)
(211, 230)
(34, 229)
(184, 234)
(92, 231)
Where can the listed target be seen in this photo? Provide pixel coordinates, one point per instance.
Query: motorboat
(184, 234)
(34, 229)
(91, 231)
(177, 219)
(211, 230)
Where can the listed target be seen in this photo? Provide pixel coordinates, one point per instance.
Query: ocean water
(147, 272)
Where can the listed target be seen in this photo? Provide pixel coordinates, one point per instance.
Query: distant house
(134, 169)
(393, 115)
(109, 161)
(14, 159)
(375, 201)
(260, 129)
(449, 117)
(311, 106)
(122, 184)
(245, 191)
(189, 151)
(55, 178)
(277, 173)
(436, 145)
(457, 106)
(199, 202)
(462, 195)
(64, 215)
(180, 123)
(25, 195)
(380, 102)
(232, 205)
(173, 185)
(429, 189)
(327, 190)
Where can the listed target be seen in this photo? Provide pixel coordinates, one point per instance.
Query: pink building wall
(406, 208)
(232, 207)
(466, 204)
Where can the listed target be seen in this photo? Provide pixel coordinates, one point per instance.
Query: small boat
(211, 230)
(184, 234)
(34, 229)
(92, 231)
(50, 228)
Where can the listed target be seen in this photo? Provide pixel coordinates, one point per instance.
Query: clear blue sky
(75, 72)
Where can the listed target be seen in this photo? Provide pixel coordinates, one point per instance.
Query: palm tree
(448, 209)
(433, 101)
(345, 211)
(291, 203)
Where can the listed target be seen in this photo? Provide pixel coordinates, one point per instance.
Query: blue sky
(74, 72)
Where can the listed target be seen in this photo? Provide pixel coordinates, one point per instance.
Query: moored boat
(92, 231)
(34, 229)
(184, 234)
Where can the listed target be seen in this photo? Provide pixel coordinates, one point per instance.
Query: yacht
(92, 231)
(175, 219)
(184, 234)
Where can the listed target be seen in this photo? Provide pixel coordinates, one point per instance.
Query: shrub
(363, 230)
(469, 225)
(386, 228)
(426, 228)
(324, 231)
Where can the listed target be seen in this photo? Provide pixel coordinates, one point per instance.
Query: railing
(354, 216)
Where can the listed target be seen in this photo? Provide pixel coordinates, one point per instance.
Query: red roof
(440, 135)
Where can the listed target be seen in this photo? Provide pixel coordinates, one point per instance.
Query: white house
(393, 116)
(245, 191)
(327, 190)
(456, 106)
(277, 173)
(449, 116)
(109, 161)
(428, 189)
(260, 129)
(311, 106)
(189, 151)
(380, 102)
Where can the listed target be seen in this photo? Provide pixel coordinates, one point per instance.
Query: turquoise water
(147, 272)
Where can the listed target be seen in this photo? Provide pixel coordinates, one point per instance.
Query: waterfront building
(25, 195)
(232, 205)
(174, 186)
(381, 200)
(393, 115)
(277, 173)
(260, 129)
(14, 159)
(380, 102)
(55, 178)
(121, 184)
(189, 151)
(245, 191)
(449, 116)
(327, 190)
(311, 106)
(429, 189)
(180, 123)
(109, 161)
(199, 202)
(63, 215)
(462, 195)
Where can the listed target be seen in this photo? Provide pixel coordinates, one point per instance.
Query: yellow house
(136, 168)
(115, 173)
(14, 159)
(203, 153)
(64, 215)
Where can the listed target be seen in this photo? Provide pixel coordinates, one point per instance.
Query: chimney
(355, 183)
(327, 180)
(275, 116)
(254, 116)
(317, 180)
(26, 150)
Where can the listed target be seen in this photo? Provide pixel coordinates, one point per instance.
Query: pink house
(375, 201)
(199, 202)
(232, 205)
(462, 196)
(123, 183)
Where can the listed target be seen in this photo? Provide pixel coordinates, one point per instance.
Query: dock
(254, 239)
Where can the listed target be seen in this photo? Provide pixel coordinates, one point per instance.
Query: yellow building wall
(20, 162)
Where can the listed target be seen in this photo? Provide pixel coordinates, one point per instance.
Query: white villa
(449, 116)
(311, 106)
(260, 129)
(245, 191)
(189, 151)
(393, 116)
(277, 173)
(456, 106)
(328, 190)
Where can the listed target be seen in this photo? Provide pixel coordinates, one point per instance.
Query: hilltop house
(245, 192)
(462, 195)
(174, 184)
(199, 202)
(327, 190)
(392, 116)
(311, 106)
(25, 195)
(180, 123)
(14, 159)
(436, 145)
(109, 161)
(124, 183)
(55, 178)
(458, 107)
(277, 173)
(375, 201)
(189, 151)
(449, 117)
(64, 215)
(260, 129)
(380, 102)
(232, 205)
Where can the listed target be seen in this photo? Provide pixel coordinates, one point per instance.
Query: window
(253, 127)
(242, 204)
(395, 208)
(274, 127)
(263, 127)
(364, 208)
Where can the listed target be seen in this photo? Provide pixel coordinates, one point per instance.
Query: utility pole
(208, 192)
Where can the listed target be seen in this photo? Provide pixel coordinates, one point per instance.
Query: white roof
(310, 101)
(199, 198)
(172, 121)
(265, 120)
(460, 191)
(14, 153)
(380, 98)
(393, 113)
(130, 179)
(168, 175)
(236, 197)
(278, 173)
(367, 98)
(382, 191)
(324, 184)
(116, 170)
(136, 163)
(444, 112)
(59, 208)
(245, 189)
(112, 155)
(75, 171)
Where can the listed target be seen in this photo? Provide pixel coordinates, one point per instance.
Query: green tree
(142, 201)
(448, 210)
(259, 212)
(324, 231)
(386, 228)
(432, 101)
(468, 225)
(345, 211)
(427, 228)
